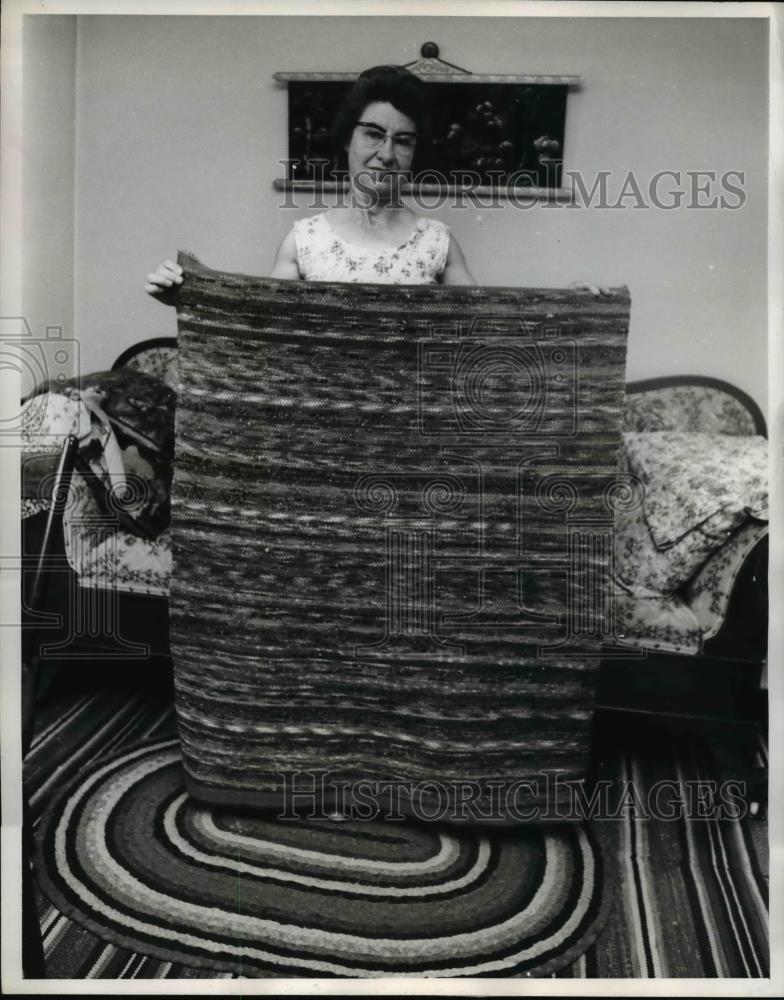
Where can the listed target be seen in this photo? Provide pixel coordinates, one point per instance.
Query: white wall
(180, 127)
(49, 45)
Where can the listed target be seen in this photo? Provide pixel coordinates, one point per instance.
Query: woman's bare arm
(456, 270)
(286, 265)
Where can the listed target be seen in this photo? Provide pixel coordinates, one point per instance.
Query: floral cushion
(698, 490)
(104, 556)
(687, 408)
(656, 622)
(158, 361)
(708, 592)
(130, 564)
(45, 422)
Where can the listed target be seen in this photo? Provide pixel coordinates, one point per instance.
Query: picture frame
(492, 134)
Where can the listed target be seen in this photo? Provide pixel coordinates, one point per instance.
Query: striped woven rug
(392, 514)
(128, 854)
(689, 897)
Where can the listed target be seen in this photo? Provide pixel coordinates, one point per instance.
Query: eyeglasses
(374, 136)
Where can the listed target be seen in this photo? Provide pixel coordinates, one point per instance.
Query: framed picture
(494, 134)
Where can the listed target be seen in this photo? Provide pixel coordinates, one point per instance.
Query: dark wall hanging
(492, 133)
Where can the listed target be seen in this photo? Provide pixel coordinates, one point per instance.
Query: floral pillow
(699, 489)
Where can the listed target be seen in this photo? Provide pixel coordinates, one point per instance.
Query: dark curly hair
(393, 85)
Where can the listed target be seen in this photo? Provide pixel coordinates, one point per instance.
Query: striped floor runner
(691, 898)
(693, 895)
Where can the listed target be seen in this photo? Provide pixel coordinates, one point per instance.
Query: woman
(375, 237)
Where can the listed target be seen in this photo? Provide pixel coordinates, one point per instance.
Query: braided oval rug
(129, 855)
(391, 516)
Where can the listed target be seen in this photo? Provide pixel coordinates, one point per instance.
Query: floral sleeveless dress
(323, 255)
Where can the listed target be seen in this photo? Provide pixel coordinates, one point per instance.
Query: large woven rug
(392, 514)
(134, 859)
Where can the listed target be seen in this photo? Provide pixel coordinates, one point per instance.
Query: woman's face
(381, 149)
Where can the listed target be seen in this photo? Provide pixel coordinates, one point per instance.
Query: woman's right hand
(162, 282)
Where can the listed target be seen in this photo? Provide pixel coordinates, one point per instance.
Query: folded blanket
(691, 478)
(391, 529)
(699, 489)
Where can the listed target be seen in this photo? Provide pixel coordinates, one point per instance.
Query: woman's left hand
(588, 286)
